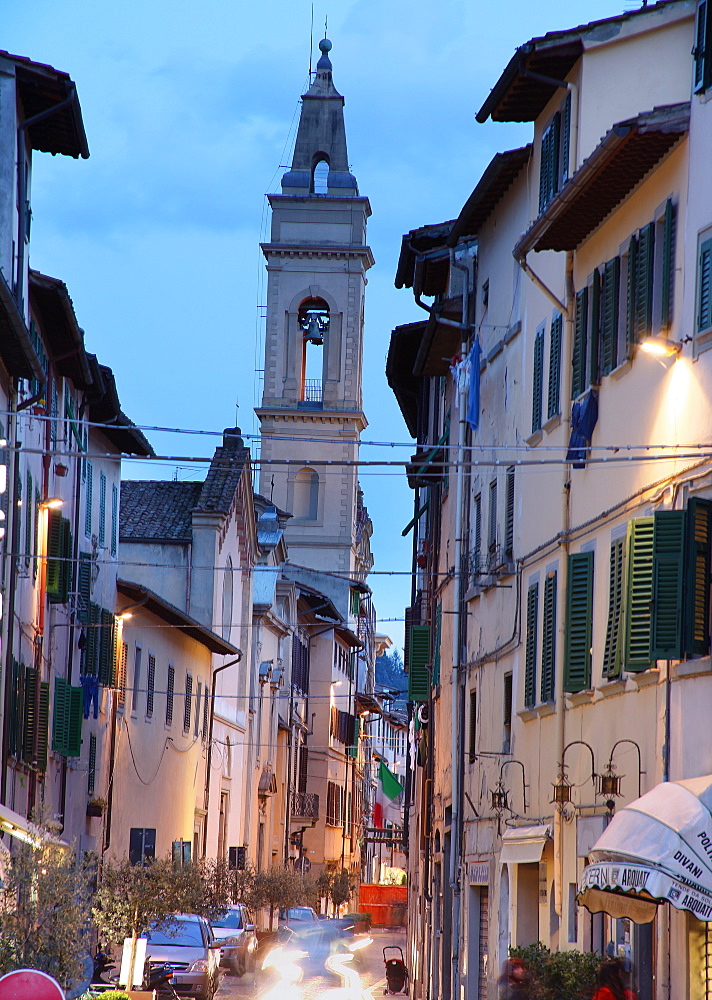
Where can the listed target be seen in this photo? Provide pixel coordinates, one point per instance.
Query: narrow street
(317, 982)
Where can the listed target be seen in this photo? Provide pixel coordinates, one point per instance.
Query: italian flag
(388, 807)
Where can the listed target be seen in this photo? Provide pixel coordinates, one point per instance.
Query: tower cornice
(323, 252)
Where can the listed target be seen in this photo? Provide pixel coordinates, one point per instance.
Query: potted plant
(96, 806)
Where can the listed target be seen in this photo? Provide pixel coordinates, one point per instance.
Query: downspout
(10, 564)
(206, 800)
(456, 755)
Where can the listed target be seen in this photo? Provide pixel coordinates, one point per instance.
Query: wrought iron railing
(305, 805)
(313, 390)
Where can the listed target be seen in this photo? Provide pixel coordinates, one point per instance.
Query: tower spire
(321, 136)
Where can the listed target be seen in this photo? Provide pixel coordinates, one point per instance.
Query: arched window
(306, 495)
(313, 318)
(320, 178)
(227, 600)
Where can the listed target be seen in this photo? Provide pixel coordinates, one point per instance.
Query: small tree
(132, 897)
(337, 886)
(45, 911)
(279, 888)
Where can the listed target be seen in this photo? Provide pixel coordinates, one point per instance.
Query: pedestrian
(515, 980)
(611, 982)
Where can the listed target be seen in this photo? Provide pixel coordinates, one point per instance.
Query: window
(538, 380)
(530, 655)
(702, 52)
(492, 536)
(306, 495)
(555, 148)
(88, 499)
(639, 593)
(554, 396)
(334, 804)
(227, 599)
(320, 177)
(580, 346)
(313, 322)
(603, 321)
(196, 720)
(150, 685)
(507, 714)
(28, 520)
(67, 715)
(206, 716)
(142, 845)
(170, 691)
(59, 558)
(187, 707)
(107, 648)
(509, 515)
(91, 770)
(548, 639)
(704, 286)
(121, 678)
(477, 533)
(28, 716)
(136, 679)
(579, 606)
(102, 510)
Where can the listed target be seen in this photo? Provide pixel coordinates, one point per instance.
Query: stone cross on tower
(311, 412)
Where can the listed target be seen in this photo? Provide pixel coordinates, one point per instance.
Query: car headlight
(200, 966)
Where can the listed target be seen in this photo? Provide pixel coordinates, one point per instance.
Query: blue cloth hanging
(473, 399)
(90, 685)
(584, 416)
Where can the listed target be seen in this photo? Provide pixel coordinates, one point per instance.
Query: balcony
(313, 398)
(305, 806)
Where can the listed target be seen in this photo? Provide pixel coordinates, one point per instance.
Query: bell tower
(311, 413)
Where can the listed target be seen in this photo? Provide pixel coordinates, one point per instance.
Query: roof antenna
(311, 41)
(237, 411)
(271, 491)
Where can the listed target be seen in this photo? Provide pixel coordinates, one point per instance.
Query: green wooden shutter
(55, 535)
(565, 142)
(639, 593)
(537, 381)
(114, 517)
(436, 644)
(609, 316)
(74, 721)
(60, 716)
(611, 654)
(698, 554)
(548, 644)
(509, 515)
(107, 648)
(579, 602)
(545, 168)
(668, 581)
(578, 361)
(644, 282)
(704, 287)
(594, 335)
(84, 587)
(630, 296)
(89, 488)
(36, 548)
(65, 569)
(668, 266)
(43, 727)
(554, 391)
(15, 709)
(418, 660)
(352, 751)
(531, 645)
(93, 641)
(30, 719)
(28, 520)
(700, 53)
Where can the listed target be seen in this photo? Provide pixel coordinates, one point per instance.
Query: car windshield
(181, 933)
(232, 920)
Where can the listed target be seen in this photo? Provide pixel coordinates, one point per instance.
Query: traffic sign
(29, 984)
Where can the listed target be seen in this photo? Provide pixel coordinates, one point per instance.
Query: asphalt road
(302, 973)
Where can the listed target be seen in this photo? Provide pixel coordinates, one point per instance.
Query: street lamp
(562, 787)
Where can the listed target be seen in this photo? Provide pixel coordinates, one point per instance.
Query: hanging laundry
(90, 684)
(584, 415)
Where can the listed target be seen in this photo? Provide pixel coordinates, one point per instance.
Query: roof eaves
(172, 615)
(16, 348)
(62, 333)
(625, 155)
(498, 177)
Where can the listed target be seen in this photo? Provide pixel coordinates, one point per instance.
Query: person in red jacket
(611, 982)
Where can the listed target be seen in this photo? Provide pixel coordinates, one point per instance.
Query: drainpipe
(11, 569)
(456, 754)
(206, 800)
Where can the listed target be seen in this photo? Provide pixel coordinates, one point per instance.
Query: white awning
(19, 826)
(657, 849)
(524, 844)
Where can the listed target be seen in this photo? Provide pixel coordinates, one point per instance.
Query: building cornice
(313, 416)
(318, 252)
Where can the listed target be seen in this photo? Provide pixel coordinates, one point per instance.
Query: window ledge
(533, 440)
(545, 708)
(473, 592)
(688, 668)
(620, 370)
(552, 423)
(645, 677)
(610, 688)
(512, 332)
(526, 714)
(495, 352)
(581, 697)
(702, 342)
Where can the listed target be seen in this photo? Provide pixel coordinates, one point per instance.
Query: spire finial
(325, 48)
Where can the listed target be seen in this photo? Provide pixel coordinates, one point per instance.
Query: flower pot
(94, 809)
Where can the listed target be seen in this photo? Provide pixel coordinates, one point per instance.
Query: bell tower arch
(311, 413)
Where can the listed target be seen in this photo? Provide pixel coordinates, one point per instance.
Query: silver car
(235, 931)
(186, 943)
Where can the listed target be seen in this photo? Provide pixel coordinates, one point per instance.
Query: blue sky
(190, 113)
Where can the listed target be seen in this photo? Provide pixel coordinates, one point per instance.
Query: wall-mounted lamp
(51, 503)
(500, 800)
(661, 347)
(562, 787)
(337, 683)
(609, 783)
(124, 616)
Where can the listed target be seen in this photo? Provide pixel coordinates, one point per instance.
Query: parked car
(186, 943)
(235, 932)
(300, 915)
